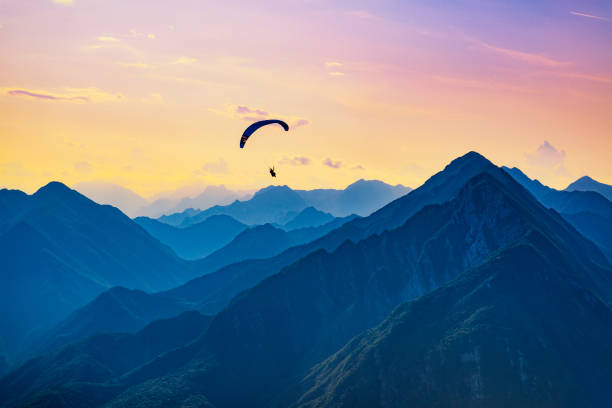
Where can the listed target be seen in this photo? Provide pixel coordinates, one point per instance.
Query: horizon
(154, 97)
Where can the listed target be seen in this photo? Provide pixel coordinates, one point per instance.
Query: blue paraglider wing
(253, 128)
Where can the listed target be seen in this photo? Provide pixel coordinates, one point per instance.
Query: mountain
(59, 250)
(565, 202)
(516, 331)
(588, 211)
(362, 197)
(279, 204)
(308, 217)
(197, 240)
(213, 291)
(273, 204)
(273, 333)
(588, 184)
(108, 193)
(102, 357)
(117, 310)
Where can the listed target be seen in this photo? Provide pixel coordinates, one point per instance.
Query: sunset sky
(154, 95)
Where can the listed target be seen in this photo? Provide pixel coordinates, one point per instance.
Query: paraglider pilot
(272, 171)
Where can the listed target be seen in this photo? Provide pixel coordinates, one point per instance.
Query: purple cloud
(300, 122)
(296, 161)
(333, 164)
(18, 92)
(245, 110)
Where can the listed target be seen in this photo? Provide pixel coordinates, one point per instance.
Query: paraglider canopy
(255, 126)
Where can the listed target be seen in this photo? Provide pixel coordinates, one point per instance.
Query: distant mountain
(516, 331)
(274, 204)
(279, 204)
(197, 240)
(108, 193)
(308, 217)
(102, 357)
(59, 250)
(588, 184)
(362, 197)
(588, 211)
(274, 333)
(566, 202)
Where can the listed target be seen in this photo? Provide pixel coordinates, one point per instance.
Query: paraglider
(255, 126)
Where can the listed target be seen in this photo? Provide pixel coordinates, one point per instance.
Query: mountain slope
(588, 211)
(197, 240)
(300, 316)
(588, 184)
(103, 356)
(516, 331)
(59, 250)
(308, 217)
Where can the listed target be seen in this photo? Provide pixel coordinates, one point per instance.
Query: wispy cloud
(46, 96)
(83, 167)
(107, 38)
(63, 2)
(66, 94)
(364, 15)
(184, 61)
(332, 64)
(333, 164)
(298, 123)
(216, 167)
(587, 77)
(336, 73)
(296, 161)
(136, 34)
(591, 16)
(244, 110)
(546, 155)
(527, 57)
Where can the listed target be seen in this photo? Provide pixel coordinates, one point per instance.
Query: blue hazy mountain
(363, 197)
(103, 357)
(277, 330)
(588, 211)
(308, 217)
(197, 240)
(279, 204)
(59, 250)
(588, 184)
(516, 331)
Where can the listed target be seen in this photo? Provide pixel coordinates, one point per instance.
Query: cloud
(527, 57)
(136, 34)
(296, 161)
(364, 15)
(299, 123)
(46, 96)
(358, 167)
(591, 16)
(333, 164)
(153, 99)
(82, 167)
(107, 38)
(184, 61)
(546, 155)
(332, 64)
(242, 110)
(587, 77)
(336, 73)
(216, 167)
(63, 2)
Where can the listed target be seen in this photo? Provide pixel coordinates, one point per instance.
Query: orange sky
(154, 95)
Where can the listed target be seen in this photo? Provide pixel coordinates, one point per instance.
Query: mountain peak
(54, 187)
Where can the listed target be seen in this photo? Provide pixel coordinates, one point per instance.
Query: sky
(154, 95)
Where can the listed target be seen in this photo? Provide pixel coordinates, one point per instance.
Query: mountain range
(280, 204)
(59, 250)
(586, 183)
(478, 288)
